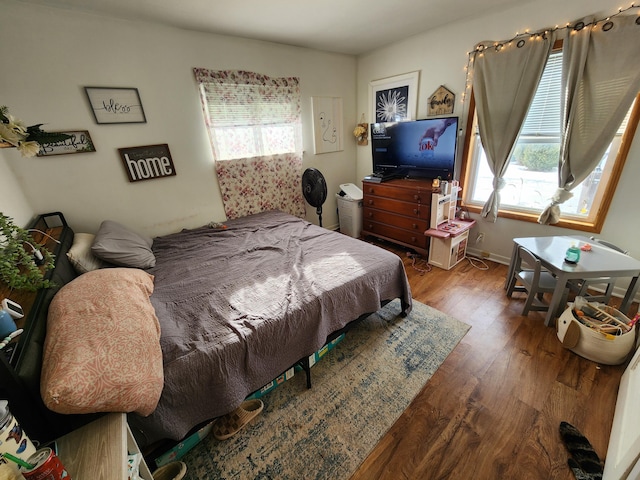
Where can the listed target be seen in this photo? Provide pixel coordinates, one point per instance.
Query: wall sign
(115, 105)
(78, 142)
(148, 162)
(441, 102)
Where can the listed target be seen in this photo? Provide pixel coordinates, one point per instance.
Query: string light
(539, 35)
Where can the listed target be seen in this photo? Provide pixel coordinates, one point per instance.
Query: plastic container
(350, 209)
(7, 325)
(572, 255)
(14, 439)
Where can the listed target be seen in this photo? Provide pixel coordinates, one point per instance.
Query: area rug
(360, 388)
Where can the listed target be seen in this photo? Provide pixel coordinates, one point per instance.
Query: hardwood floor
(493, 409)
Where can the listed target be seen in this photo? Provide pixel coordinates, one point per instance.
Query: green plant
(17, 266)
(538, 157)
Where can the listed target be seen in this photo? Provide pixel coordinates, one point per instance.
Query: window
(532, 175)
(249, 117)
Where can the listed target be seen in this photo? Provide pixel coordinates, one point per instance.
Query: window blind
(544, 116)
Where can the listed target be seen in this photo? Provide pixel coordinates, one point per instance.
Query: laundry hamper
(599, 333)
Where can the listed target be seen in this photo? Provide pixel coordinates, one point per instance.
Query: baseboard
(474, 252)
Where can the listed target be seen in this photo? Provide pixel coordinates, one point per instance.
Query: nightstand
(99, 450)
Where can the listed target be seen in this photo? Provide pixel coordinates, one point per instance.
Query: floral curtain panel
(254, 123)
(260, 184)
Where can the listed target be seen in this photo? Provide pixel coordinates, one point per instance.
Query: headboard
(20, 366)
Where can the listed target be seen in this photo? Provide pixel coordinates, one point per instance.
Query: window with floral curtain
(254, 124)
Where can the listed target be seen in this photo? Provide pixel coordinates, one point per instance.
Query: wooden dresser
(399, 211)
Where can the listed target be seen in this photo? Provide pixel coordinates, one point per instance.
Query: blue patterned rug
(360, 389)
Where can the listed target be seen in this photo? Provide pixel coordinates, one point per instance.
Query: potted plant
(18, 267)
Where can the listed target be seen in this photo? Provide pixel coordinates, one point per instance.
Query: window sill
(582, 225)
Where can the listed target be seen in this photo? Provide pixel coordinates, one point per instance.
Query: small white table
(599, 262)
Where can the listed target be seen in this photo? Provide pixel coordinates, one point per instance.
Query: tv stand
(398, 210)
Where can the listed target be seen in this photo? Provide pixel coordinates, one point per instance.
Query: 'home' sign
(145, 163)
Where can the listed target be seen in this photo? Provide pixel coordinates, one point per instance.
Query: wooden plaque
(441, 102)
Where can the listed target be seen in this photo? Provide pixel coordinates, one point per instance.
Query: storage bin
(590, 343)
(350, 209)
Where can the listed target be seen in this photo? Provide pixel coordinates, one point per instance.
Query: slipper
(228, 425)
(171, 471)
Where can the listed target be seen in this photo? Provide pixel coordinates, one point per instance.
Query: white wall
(55, 53)
(12, 200)
(441, 57)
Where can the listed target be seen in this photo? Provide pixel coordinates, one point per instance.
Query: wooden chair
(581, 286)
(532, 280)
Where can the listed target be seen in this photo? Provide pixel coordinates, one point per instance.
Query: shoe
(171, 471)
(228, 425)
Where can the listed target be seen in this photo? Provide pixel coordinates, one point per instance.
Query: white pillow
(80, 255)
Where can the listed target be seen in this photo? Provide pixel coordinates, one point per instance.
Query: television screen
(422, 148)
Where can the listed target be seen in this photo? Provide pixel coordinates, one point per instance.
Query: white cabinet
(449, 235)
(100, 449)
(624, 444)
(447, 252)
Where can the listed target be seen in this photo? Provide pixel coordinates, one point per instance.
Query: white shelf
(99, 450)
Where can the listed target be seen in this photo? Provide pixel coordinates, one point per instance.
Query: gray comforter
(238, 306)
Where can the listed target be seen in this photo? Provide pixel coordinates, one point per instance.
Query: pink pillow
(102, 349)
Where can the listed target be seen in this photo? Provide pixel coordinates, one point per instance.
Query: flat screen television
(416, 148)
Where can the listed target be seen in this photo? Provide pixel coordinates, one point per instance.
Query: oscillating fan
(314, 189)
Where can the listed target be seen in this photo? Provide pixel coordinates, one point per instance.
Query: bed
(240, 303)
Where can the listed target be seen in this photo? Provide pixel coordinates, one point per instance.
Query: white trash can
(350, 209)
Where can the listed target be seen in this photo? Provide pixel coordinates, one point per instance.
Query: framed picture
(147, 162)
(327, 124)
(115, 105)
(394, 99)
(79, 141)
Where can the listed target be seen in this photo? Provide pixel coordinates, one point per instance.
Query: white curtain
(600, 79)
(505, 78)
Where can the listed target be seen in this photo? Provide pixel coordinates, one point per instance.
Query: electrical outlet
(480, 237)
(485, 254)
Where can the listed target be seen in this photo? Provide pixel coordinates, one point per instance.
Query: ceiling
(343, 26)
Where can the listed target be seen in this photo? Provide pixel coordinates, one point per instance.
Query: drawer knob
(416, 197)
(370, 190)
(415, 225)
(370, 214)
(413, 239)
(416, 211)
(370, 227)
(370, 202)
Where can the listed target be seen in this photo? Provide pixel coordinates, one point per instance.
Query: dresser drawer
(416, 239)
(408, 223)
(398, 207)
(398, 193)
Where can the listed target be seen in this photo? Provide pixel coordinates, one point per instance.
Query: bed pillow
(102, 348)
(116, 244)
(80, 255)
